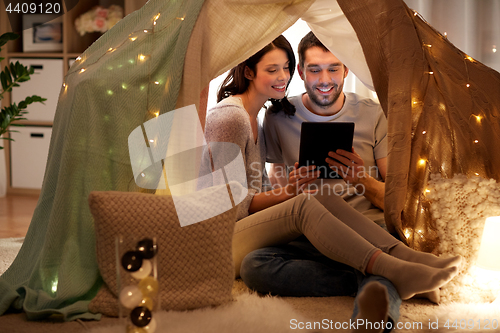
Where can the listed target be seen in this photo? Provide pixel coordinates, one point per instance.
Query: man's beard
(319, 100)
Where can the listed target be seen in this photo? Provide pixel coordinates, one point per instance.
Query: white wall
(294, 34)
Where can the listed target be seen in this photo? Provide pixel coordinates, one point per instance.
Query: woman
(279, 216)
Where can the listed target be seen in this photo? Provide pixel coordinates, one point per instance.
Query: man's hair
(308, 41)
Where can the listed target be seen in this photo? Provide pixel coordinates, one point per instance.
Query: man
(297, 268)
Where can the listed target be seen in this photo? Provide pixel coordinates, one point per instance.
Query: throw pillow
(195, 265)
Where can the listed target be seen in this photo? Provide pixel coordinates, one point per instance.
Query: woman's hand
(300, 178)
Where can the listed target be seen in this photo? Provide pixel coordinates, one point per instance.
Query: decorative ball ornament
(147, 302)
(144, 271)
(130, 297)
(132, 261)
(149, 286)
(135, 329)
(139, 297)
(147, 248)
(151, 328)
(141, 316)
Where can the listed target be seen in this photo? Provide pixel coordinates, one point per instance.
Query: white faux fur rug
(9, 247)
(249, 313)
(462, 317)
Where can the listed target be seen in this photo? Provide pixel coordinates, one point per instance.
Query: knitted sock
(433, 296)
(373, 304)
(412, 278)
(403, 252)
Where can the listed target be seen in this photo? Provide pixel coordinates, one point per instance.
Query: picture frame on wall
(42, 33)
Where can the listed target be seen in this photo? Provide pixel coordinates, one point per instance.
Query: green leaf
(3, 78)
(8, 36)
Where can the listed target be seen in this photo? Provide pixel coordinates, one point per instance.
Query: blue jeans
(297, 269)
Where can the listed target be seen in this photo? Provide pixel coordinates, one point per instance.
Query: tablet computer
(319, 138)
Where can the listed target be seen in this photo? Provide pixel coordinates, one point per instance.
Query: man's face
(323, 76)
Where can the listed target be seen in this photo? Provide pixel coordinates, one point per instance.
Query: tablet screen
(319, 138)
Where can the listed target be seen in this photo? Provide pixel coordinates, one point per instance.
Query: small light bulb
(477, 174)
(78, 58)
(64, 84)
(407, 233)
(431, 73)
(478, 118)
(156, 82)
(133, 38)
(415, 13)
(467, 85)
(157, 113)
(82, 70)
(151, 140)
(421, 162)
(110, 49)
(445, 34)
(424, 132)
(427, 191)
(142, 57)
(468, 57)
(154, 23)
(494, 49)
(476, 141)
(145, 31)
(142, 174)
(157, 16)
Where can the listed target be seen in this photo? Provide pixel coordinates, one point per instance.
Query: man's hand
(349, 165)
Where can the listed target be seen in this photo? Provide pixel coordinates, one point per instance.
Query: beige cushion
(195, 266)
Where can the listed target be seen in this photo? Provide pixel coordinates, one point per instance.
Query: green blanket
(126, 77)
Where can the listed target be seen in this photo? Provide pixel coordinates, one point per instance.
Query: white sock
(373, 304)
(411, 278)
(403, 252)
(433, 296)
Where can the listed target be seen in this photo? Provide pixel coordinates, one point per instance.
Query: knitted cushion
(195, 265)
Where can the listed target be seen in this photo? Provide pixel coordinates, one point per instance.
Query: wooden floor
(15, 214)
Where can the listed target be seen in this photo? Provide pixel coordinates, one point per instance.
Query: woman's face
(271, 75)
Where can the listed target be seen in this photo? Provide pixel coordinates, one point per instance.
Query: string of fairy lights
(132, 37)
(477, 117)
(135, 299)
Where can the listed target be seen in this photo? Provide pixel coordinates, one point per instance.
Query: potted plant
(10, 77)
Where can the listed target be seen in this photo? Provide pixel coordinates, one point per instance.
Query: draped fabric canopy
(163, 57)
(442, 108)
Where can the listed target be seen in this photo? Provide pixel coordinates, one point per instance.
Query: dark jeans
(297, 269)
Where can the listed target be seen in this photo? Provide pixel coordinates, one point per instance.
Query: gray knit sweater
(228, 121)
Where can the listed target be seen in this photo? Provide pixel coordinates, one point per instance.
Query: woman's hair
(236, 83)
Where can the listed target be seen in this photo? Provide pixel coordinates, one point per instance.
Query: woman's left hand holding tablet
(300, 178)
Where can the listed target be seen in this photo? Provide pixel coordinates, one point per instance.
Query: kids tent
(163, 56)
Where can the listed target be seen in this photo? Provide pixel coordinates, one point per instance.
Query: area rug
(248, 313)
(9, 247)
(479, 317)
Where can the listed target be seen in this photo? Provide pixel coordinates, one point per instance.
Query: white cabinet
(28, 156)
(46, 82)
